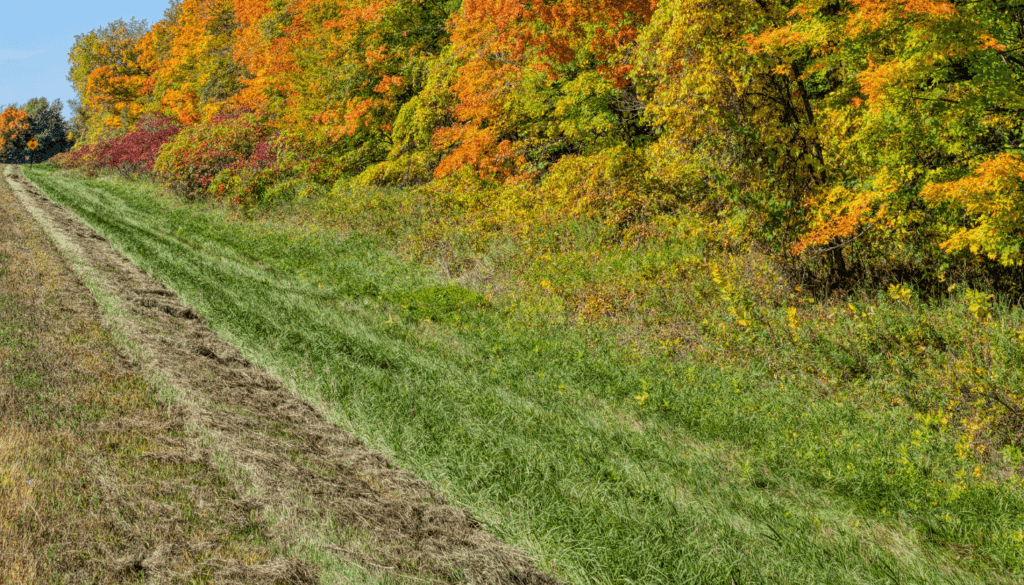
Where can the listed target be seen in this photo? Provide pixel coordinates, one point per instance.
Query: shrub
(136, 152)
(247, 179)
(82, 158)
(129, 154)
(189, 163)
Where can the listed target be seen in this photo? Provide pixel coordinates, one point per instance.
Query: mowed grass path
(606, 468)
(93, 473)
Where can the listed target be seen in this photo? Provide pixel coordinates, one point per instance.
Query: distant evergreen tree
(49, 129)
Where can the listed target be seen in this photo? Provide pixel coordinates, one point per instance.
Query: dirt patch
(316, 481)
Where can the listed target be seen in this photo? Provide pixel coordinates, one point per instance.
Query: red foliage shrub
(136, 151)
(190, 162)
(129, 154)
(246, 180)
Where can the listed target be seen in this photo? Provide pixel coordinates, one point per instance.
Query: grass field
(827, 449)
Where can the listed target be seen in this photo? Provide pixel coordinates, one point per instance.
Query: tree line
(843, 133)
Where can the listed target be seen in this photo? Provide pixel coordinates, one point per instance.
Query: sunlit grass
(732, 429)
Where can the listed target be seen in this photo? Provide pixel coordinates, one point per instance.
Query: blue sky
(35, 38)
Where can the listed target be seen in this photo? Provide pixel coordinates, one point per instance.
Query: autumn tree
(536, 81)
(737, 128)
(108, 75)
(918, 108)
(356, 64)
(189, 55)
(265, 52)
(15, 130)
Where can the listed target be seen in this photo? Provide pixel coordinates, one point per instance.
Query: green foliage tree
(48, 126)
(735, 127)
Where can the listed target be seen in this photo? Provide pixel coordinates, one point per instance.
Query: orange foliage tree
(357, 62)
(193, 73)
(14, 130)
(534, 81)
(109, 76)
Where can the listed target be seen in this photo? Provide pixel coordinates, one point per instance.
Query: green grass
(607, 464)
